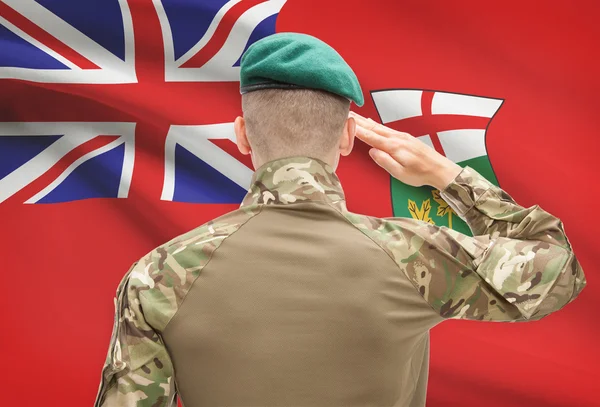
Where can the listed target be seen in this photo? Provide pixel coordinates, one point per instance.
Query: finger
(364, 121)
(373, 139)
(367, 123)
(387, 162)
(371, 124)
(358, 116)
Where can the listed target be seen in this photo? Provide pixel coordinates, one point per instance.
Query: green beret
(291, 60)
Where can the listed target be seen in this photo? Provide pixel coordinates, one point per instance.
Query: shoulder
(164, 276)
(207, 236)
(404, 239)
(389, 234)
(384, 230)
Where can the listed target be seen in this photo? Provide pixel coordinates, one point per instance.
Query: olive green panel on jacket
(138, 370)
(299, 307)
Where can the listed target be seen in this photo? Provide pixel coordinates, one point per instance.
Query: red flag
(115, 137)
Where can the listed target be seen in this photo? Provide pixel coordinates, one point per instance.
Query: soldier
(291, 299)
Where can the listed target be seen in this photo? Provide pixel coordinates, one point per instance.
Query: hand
(404, 157)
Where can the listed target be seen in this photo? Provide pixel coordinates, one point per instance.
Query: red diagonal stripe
(221, 33)
(45, 38)
(54, 172)
(231, 148)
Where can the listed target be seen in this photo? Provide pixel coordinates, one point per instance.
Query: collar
(292, 179)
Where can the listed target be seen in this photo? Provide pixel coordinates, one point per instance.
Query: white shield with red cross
(455, 126)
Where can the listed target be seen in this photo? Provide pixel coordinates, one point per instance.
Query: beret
(290, 60)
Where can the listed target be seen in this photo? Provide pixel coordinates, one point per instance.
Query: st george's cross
(455, 126)
(116, 122)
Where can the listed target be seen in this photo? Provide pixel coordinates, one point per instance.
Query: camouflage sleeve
(138, 371)
(518, 266)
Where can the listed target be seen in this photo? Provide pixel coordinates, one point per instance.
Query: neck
(331, 159)
(291, 179)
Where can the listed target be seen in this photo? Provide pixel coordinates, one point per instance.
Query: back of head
(290, 122)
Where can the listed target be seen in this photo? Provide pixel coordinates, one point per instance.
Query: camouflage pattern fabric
(518, 266)
(294, 179)
(138, 370)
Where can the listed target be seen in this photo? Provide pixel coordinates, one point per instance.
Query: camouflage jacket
(518, 266)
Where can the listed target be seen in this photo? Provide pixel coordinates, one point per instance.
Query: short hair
(289, 122)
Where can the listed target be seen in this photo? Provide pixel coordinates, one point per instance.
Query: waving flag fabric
(116, 135)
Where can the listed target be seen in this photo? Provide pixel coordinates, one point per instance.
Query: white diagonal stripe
(67, 34)
(37, 44)
(207, 35)
(38, 165)
(195, 139)
(72, 168)
(74, 135)
(220, 66)
(240, 34)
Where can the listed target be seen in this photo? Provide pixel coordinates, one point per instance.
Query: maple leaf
(421, 213)
(443, 207)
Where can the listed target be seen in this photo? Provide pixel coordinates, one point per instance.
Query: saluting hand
(404, 157)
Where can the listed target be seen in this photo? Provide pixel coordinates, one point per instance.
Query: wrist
(446, 175)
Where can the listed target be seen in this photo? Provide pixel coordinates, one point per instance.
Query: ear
(347, 139)
(239, 126)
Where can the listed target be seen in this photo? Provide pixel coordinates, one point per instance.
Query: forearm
(489, 210)
(529, 258)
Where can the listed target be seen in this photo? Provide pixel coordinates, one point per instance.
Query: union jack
(96, 106)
